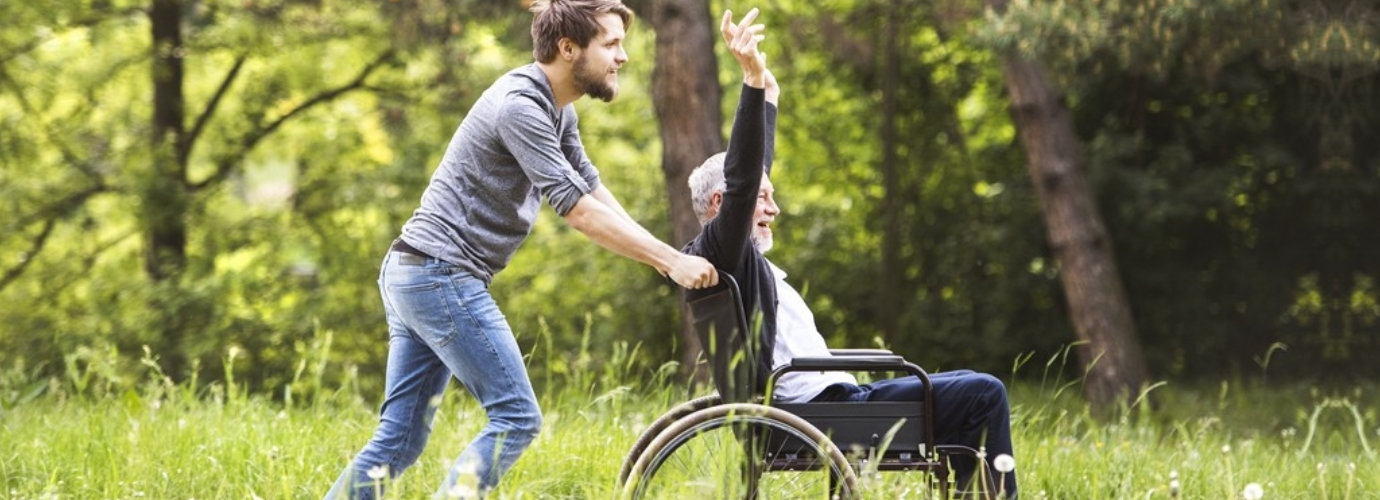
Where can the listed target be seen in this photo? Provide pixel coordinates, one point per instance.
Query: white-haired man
(733, 196)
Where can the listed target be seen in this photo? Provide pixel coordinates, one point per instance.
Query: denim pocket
(427, 308)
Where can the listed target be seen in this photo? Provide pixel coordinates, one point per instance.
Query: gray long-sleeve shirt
(513, 148)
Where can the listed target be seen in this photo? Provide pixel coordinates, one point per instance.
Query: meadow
(97, 436)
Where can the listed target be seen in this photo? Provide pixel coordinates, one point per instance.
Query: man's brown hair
(573, 19)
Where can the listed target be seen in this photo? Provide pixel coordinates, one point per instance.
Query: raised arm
(727, 237)
(772, 93)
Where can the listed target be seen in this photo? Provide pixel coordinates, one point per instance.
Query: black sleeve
(769, 137)
(725, 239)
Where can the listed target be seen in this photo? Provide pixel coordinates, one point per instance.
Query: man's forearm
(617, 232)
(604, 195)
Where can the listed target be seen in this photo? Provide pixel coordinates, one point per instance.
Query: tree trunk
(1096, 299)
(165, 192)
(686, 93)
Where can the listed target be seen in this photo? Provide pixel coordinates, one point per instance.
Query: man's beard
(593, 85)
(763, 244)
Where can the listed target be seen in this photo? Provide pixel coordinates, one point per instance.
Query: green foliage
(1226, 139)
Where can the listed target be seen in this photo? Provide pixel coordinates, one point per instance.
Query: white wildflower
(1004, 463)
(1253, 491)
(377, 472)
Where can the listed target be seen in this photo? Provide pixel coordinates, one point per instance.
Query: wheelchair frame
(881, 436)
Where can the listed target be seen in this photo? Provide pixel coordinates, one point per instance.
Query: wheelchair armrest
(846, 363)
(853, 364)
(860, 352)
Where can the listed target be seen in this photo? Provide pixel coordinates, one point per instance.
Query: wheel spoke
(725, 453)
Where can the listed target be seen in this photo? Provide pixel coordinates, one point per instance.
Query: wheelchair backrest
(732, 348)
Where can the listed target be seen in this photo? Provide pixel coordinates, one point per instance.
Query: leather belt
(410, 255)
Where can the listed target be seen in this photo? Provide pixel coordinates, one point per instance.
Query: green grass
(159, 440)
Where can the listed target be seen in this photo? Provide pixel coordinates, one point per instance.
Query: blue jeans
(970, 409)
(442, 322)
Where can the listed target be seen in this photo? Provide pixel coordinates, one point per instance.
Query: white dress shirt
(797, 336)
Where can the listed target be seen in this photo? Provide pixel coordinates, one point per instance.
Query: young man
(518, 143)
(732, 195)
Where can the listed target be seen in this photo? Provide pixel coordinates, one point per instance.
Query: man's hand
(742, 40)
(693, 272)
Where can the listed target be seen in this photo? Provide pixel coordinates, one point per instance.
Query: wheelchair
(738, 443)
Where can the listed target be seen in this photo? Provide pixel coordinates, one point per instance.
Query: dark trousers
(970, 409)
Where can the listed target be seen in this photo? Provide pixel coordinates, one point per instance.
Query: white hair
(705, 180)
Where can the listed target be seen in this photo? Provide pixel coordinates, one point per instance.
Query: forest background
(216, 181)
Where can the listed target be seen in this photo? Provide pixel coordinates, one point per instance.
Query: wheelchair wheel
(741, 450)
(676, 413)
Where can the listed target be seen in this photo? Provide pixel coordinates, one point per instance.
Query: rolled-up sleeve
(574, 149)
(532, 138)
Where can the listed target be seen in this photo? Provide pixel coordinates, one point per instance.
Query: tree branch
(88, 22)
(226, 165)
(85, 166)
(34, 247)
(185, 149)
(58, 209)
(89, 261)
(50, 216)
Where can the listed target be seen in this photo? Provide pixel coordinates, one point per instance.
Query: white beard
(762, 246)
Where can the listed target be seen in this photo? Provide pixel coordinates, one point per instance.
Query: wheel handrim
(707, 460)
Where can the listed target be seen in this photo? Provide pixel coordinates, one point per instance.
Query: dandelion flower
(1226, 448)
(377, 472)
(1253, 491)
(1004, 463)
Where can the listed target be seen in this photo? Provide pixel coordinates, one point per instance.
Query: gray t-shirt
(513, 148)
